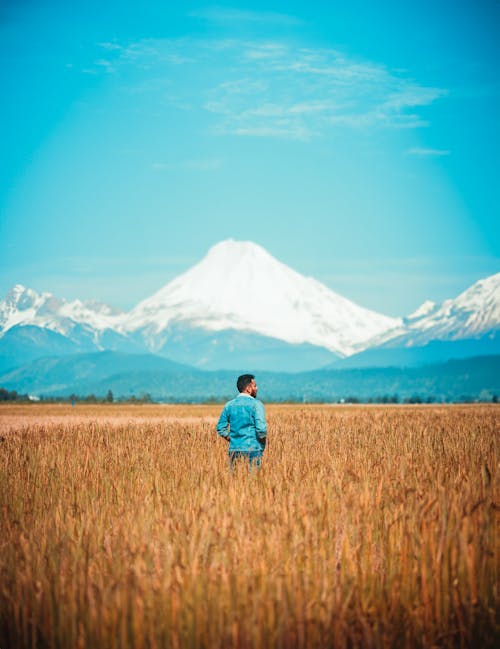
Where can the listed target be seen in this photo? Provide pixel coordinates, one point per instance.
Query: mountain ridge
(132, 375)
(238, 303)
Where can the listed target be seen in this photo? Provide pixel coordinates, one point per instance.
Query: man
(243, 424)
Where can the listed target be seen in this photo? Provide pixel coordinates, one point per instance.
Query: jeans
(254, 458)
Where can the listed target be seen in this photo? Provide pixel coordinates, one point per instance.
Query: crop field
(367, 526)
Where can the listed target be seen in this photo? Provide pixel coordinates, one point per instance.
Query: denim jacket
(243, 421)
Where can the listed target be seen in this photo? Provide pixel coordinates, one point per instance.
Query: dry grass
(367, 527)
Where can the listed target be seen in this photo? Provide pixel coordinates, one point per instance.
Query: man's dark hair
(243, 381)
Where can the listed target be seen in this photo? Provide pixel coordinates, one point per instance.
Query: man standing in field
(243, 423)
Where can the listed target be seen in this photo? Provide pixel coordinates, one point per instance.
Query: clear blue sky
(356, 141)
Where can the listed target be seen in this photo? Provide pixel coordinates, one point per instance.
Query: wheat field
(368, 526)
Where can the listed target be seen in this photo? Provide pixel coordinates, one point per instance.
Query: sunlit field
(375, 526)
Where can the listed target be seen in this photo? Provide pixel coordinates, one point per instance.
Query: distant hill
(83, 373)
(231, 349)
(130, 374)
(435, 351)
(458, 379)
(22, 344)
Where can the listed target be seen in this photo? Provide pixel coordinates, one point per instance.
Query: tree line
(13, 395)
(145, 397)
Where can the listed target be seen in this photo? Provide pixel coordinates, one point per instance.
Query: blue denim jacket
(243, 421)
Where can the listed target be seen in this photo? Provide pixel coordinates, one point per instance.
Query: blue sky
(356, 141)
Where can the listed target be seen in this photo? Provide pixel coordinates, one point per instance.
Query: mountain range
(240, 308)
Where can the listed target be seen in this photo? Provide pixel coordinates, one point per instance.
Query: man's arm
(223, 424)
(260, 422)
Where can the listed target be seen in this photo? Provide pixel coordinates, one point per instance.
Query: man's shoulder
(258, 403)
(255, 404)
(243, 400)
(232, 402)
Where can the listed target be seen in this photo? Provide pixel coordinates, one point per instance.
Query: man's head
(246, 384)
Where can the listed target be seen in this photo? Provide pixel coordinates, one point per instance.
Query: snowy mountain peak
(20, 304)
(474, 310)
(15, 292)
(472, 314)
(424, 309)
(231, 250)
(21, 297)
(24, 306)
(235, 262)
(485, 293)
(238, 285)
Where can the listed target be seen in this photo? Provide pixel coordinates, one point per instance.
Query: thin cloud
(414, 95)
(105, 65)
(211, 164)
(418, 151)
(147, 54)
(222, 15)
(274, 89)
(107, 45)
(281, 130)
(266, 52)
(322, 89)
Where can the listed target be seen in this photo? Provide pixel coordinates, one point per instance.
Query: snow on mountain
(238, 285)
(24, 306)
(472, 314)
(423, 310)
(237, 298)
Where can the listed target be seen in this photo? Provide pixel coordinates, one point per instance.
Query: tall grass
(366, 527)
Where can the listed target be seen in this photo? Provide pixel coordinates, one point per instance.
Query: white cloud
(110, 46)
(265, 52)
(315, 106)
(274, 89)
(210, 164)
(418, 151)
(227, 15)
(245, 86)
(322, 89)
(105, 64)
(282, 129)
(146, 54)
(413, 96)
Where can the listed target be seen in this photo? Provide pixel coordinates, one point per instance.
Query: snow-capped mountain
(24, 306)
(239, 307)
(473, 314)
(34, 324)
(239, 286)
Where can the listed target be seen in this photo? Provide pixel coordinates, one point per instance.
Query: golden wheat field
(368, 526)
